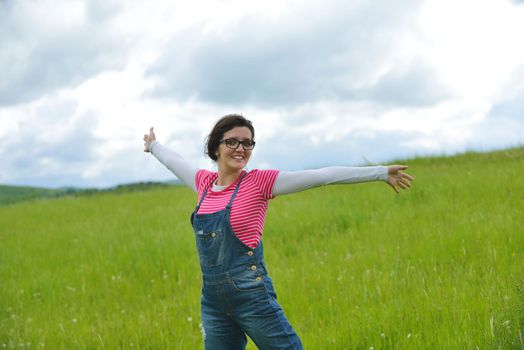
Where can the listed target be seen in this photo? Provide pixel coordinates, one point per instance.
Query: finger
(402, 185)
(394, 188)
(395, 169)
(151, 131)
(405, 182)
(407, 176)
(401, 167)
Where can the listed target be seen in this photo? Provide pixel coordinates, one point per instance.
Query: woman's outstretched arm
(288, 182)
(171, 160)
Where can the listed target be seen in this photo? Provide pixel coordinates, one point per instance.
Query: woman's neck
(227, 178)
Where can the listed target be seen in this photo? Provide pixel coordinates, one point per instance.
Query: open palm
(397, 179)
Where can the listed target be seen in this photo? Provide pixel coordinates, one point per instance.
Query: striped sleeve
(265, 180)
(202, 179)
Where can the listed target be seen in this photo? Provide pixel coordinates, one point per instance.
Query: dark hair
(222, 126)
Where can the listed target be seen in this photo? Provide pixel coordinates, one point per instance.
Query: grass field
(355, 266)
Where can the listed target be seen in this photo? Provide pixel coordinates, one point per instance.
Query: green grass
(354, 266)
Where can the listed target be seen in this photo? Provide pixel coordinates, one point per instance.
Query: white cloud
(324, 83)
(474, 44)
(315, 52)
(42, 51)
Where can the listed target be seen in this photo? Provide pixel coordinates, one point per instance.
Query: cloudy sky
(336, 82)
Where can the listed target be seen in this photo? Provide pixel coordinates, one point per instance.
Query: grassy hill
(15, 194)
(354, 266)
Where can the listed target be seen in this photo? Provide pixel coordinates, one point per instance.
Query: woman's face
(234, 159)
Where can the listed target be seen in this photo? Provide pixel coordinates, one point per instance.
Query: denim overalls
(237, 294)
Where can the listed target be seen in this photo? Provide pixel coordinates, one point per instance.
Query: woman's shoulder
(205, 172)
(204, 177)
(264, 180)
(263, 175)
(263, 172)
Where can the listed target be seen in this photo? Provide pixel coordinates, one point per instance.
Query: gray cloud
(37, 59)
(512, 108)
(323, 53)
(102, 11)
(52, 150)
(504, 123)
(416, 85)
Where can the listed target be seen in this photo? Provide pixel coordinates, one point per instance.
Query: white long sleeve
(175, 163)
(288, 182)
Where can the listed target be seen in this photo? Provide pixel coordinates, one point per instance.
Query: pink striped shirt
(249, 208)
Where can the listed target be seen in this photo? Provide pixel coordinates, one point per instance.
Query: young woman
(237, 294)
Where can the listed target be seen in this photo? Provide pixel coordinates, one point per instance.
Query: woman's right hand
(148, 139)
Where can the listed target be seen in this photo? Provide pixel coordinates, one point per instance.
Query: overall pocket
(210, 247)
(248, 281)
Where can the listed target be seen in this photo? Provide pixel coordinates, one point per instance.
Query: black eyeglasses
(234, 143)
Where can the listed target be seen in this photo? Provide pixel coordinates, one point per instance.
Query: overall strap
(203, 196)
(228, 206)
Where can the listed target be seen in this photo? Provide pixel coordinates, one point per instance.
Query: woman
(237, 295)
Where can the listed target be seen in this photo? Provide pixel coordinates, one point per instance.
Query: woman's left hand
(397, 179)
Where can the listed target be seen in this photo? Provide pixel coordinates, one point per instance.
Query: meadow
(440, 266)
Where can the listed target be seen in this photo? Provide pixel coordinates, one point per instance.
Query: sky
(325, 83)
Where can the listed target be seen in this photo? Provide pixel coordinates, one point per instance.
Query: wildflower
(203, 331)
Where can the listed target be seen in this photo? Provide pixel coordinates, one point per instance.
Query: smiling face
(232, 160)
